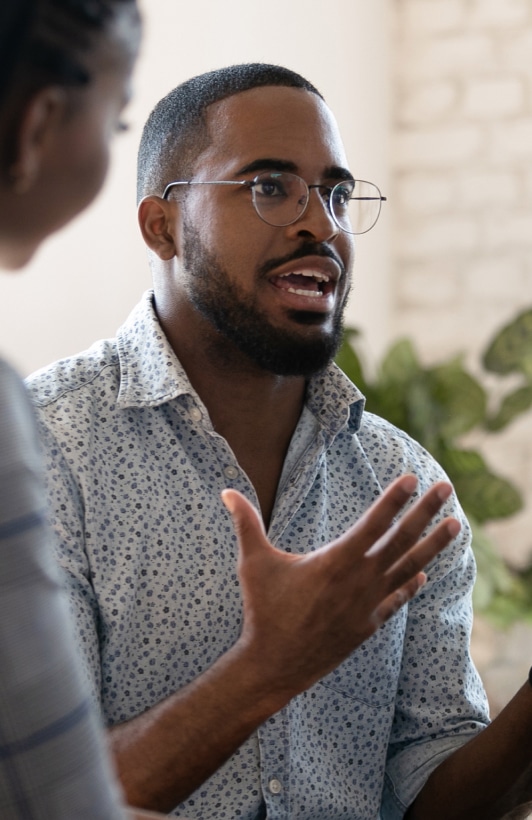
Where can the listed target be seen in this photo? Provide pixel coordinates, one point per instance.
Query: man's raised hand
(304, 614)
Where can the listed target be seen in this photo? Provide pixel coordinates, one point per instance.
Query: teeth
(312, 293)
(312, 274)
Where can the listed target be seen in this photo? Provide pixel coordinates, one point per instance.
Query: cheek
(239, 242)
(347, 253)
(72, 185)
(92, 164)
(90, 149)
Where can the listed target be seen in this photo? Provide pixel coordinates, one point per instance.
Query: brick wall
(461, 204)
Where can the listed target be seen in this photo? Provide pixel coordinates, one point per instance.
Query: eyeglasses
(280, 199)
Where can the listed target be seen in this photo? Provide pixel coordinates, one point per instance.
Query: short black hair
(176, 132)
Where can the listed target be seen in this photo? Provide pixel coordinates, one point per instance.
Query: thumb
(247, 522)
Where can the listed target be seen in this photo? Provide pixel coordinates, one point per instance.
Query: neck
(255, 411)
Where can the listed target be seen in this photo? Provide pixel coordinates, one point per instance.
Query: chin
(14, 258)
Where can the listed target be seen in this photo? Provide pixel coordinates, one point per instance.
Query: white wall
(462, 251)
(83, 283)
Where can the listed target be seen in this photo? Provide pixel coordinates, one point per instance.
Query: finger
(366, 534)
(400, 538)
(362, 535)
(247, 522)
(398, 598)
(422, 553)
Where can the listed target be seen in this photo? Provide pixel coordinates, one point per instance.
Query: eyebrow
(274, 164)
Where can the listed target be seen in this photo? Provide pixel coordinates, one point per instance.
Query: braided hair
(46, 42)
(42, 41)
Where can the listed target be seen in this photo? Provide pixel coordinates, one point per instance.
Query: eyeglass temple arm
(205, 182)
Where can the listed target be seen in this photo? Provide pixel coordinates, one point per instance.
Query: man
(238, 694)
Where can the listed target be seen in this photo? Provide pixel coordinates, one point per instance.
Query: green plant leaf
(484, 495)
(421, 413)
(462, 463)
(490, 564)
(400, 364)
(510, 350)
(500, 592)
(488, 496)
(514, 404)
(436, 405)
(460, 399)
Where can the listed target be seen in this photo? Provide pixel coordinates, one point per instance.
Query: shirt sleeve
(53, 762)
(441, 702)
(67, 517)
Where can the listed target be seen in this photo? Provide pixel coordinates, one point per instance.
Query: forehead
(272, 122)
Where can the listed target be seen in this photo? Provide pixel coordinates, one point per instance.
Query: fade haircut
(176, 131)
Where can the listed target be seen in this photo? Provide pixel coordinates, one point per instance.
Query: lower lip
(298, 301)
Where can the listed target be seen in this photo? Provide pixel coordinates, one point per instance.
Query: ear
(158, 221)
(38, 130)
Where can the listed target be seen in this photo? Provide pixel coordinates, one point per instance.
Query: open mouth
(310, 283)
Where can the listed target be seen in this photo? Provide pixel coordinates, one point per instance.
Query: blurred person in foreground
(65, 69)
(299, 669)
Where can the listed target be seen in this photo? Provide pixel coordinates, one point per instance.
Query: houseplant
(438, 405)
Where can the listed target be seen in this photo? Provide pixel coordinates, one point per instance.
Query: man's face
(274, 294)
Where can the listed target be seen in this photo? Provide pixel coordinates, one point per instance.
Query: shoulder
(15, 407)
(77, 376)
(10, 382)
(393, 452)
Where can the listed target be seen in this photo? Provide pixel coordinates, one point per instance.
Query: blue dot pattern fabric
(135, 470)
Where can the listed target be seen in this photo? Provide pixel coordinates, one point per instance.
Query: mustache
(309, 249)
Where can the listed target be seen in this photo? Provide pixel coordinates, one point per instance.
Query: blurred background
(434, 101)
(83, 284)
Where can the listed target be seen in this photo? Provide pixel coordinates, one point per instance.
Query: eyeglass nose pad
(303, 196)
(326, 203)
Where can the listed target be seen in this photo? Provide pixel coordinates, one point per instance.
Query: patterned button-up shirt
(135, 471)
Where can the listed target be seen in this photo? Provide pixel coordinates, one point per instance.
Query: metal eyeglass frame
(250, 183)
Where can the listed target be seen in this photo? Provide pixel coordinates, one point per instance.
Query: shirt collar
(335, 401)
(151, 374)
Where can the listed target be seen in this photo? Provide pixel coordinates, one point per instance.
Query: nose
(316, 221)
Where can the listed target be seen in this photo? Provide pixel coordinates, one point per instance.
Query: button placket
(273, 737)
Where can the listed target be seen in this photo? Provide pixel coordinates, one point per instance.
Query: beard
(241, 323)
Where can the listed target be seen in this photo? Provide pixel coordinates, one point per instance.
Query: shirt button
(275, 786)
(231, 472)
(195, 414)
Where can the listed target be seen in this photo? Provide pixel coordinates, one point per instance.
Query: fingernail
(444, 492)
(228, 500)
(454, 527)
(410, 483)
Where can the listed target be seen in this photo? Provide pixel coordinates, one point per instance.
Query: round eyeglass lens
(355, 205)
(279, 198)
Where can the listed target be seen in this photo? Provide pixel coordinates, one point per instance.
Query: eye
(341, 194)
(270, 185)
(121, 127)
